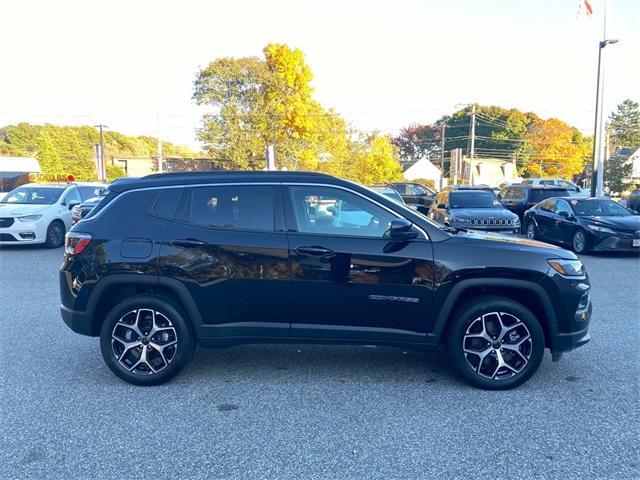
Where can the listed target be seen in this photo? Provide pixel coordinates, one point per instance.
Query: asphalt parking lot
(311, 412)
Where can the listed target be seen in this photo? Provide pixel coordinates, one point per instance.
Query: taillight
(74, 242)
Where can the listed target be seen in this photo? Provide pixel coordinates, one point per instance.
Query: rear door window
(232, 207)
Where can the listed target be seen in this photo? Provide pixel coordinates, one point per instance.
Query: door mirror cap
(401, 229)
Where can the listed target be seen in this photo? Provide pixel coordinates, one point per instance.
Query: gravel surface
(311, 412)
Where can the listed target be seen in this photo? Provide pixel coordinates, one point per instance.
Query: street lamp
(598, 161)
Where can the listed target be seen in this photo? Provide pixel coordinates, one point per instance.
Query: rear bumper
(79, 322)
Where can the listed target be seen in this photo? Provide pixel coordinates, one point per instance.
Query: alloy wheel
(56, 234)
(144, 341)
(531, 231)
(497, 345)
(579, 241)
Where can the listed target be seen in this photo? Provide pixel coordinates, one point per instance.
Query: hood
(516, 243)
(625, 223)
(20, 210)
(501, 213)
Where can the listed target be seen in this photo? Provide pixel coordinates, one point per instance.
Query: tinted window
(547, 205)
(90, 191)
(241, 207)
(517, 193)
(401, 188)
(167, 203)
(537, 195)
(127, 205)
(72, 195)
(34, 195)
(334, 211)
(469, 199)
(562, 206)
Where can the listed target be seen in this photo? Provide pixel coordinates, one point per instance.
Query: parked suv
(573, 189)
(520, 198)
(474, 209)
(415, 195)
(225, 258)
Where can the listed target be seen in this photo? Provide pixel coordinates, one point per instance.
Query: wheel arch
(528, 293)
(113, 289)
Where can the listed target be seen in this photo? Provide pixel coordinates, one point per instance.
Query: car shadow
(265, 362)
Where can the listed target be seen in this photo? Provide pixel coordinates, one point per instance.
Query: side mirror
(73, 203)
(578, 189)
(401, 229)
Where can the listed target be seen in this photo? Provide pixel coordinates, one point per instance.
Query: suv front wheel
(145, 340)
(495, 343)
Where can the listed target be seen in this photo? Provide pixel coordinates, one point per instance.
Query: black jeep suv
(217, 259)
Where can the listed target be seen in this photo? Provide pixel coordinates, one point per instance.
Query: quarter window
(167, 203)
(326, 210)
(547, 205)
(234, 207)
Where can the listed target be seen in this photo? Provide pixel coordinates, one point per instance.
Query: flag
(585, 6)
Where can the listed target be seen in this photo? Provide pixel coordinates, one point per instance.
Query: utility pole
(442, 156)
(102, 174)
(472, 152)
(159, 147)
(598, 134)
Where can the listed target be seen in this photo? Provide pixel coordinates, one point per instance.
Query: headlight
(29, 218)
(569, 268)
(516, 221)
(597, 228)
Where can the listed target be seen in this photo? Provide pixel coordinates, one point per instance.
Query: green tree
(625, 125)
(625, 132)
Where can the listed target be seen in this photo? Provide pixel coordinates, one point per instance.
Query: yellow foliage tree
(552, 148)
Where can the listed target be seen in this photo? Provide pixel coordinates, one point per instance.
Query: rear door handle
(313, 250)
(187, 243)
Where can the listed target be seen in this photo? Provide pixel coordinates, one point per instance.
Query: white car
(574, 190)
(40, 213)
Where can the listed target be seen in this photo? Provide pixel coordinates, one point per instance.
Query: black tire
(483, 309)
(580, 245)
(177, 356)
(55, 234)
(531, 231)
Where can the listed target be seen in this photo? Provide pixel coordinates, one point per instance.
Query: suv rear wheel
(145, 340)
(495, 343)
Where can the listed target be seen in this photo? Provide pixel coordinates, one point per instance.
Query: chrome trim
(211, 184)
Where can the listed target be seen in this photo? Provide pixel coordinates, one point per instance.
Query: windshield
(469, 199)
(597, 207)
(33, 195)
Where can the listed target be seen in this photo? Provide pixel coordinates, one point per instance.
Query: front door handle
(187, 243)
(313, 250)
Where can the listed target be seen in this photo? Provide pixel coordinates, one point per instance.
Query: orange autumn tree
(553, 148)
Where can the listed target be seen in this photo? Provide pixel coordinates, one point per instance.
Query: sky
(382, 64)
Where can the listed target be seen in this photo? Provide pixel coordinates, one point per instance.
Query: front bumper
(20, 233)
(616, 243)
